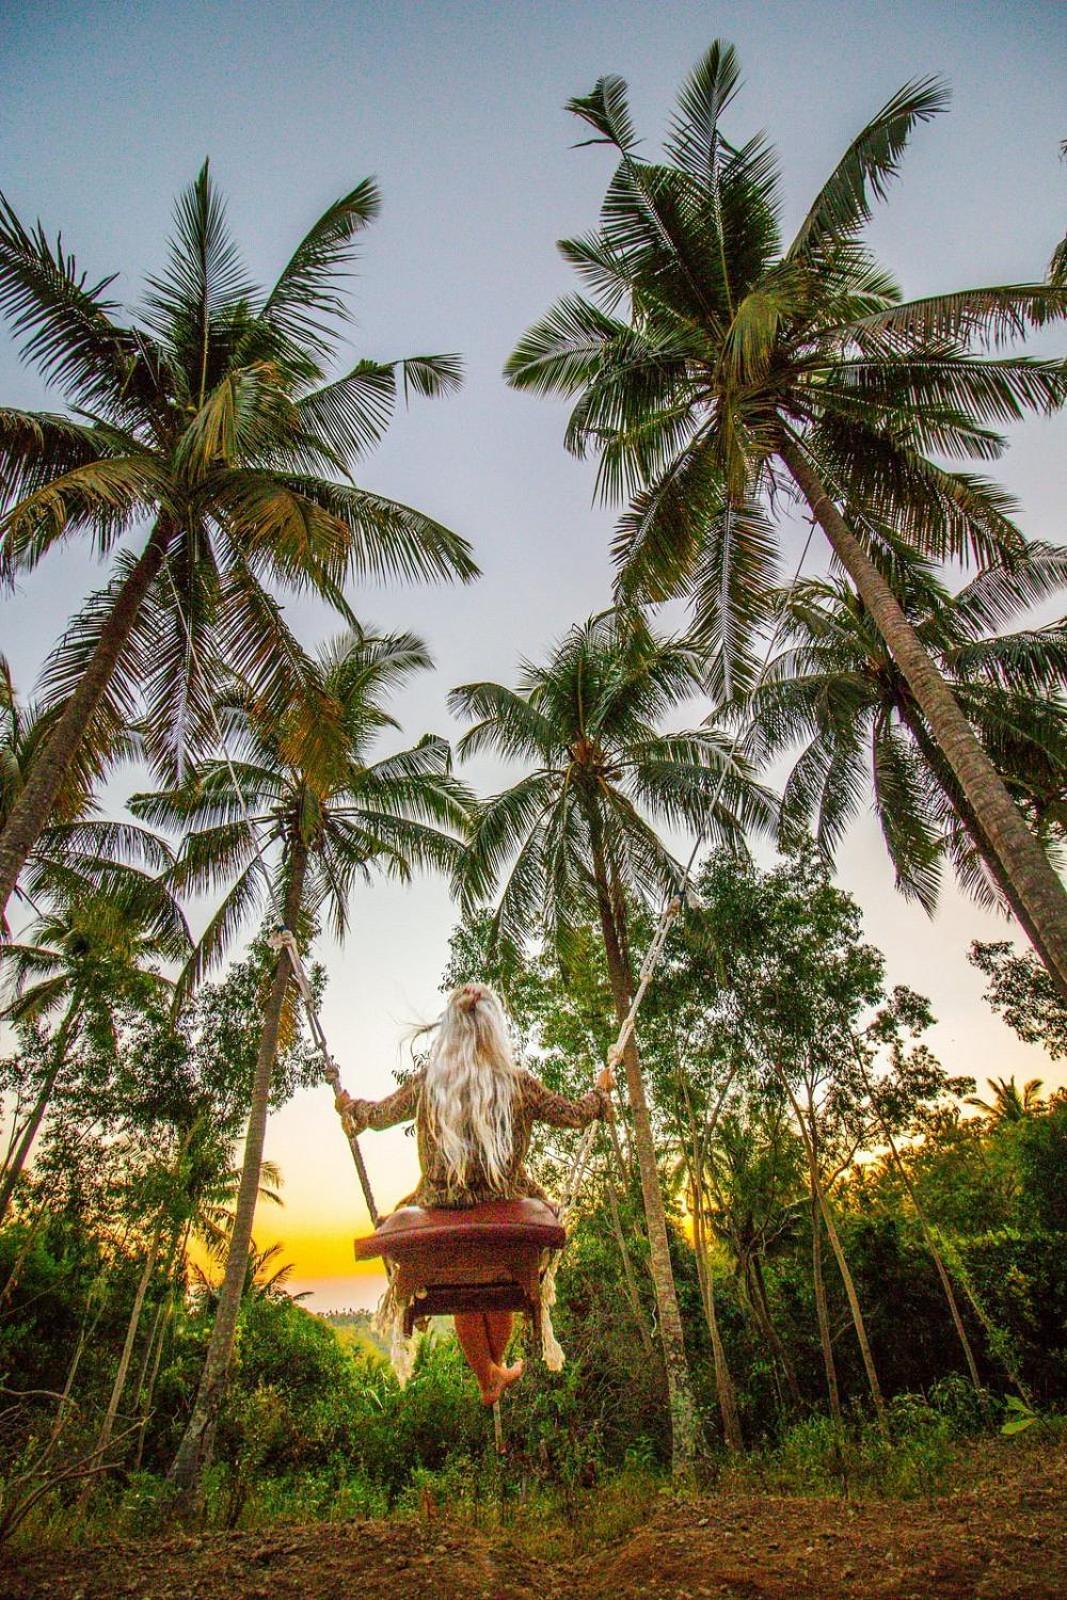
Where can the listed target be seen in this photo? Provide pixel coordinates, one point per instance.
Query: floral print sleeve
(545, 1106)
(397, 1107)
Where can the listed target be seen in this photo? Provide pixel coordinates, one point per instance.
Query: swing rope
(282, 939)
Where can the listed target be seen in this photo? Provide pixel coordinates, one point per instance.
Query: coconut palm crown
(261, 812)
(210, 422)
(836, 690)
(713, 367)
(601, 777)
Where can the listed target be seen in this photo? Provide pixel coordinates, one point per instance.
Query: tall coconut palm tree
(713, 369)
(836, 689)
(576, 834)
(296, 836)
(210, 423)
(79, 962)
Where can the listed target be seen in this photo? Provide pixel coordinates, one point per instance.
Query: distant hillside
(356, 1332)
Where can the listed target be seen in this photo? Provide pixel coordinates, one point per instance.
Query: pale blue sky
(106, 110)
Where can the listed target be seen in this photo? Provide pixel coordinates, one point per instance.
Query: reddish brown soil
(1005, 1538)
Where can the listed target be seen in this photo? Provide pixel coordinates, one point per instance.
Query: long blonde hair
(470, 1087)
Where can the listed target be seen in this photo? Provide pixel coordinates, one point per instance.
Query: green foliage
(1020, 1416)
(1024, 994)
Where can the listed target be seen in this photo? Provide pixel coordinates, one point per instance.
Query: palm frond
(872, 160)
(305, 303)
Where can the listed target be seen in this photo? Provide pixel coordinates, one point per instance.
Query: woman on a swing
(474, 1109)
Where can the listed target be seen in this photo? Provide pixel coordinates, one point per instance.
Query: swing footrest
(445, 1299)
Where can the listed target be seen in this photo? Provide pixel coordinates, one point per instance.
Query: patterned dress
(534, 1103)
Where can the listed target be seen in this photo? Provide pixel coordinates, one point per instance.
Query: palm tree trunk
(30, 814)
(1025, 864)
(14, 1132)
(29, 1133)
(822, 1314)
(945, 776)
(724, 1383)
(839, 1255)
(195, 1448)
(679, 1388)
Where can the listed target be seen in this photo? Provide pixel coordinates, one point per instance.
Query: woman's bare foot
(502, 1378)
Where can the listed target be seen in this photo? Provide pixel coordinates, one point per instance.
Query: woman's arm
(377, 1114)
(547, 1106)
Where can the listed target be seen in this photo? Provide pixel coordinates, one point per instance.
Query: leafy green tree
(577, 833)
(836, 689)
(81, 962)
(713, 368)
(299, 836)
(899, 1097)
(183, 1082)
(746, 1167)
(211, 419)
(1042, 1156)
(1024, 994)
(788, 976)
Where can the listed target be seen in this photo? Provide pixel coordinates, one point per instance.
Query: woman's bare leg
(473, 1338)
(473, 1333)
(498, 1326)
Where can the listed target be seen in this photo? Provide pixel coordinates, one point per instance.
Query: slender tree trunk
(679, 1388)
(138, 1304)
(131, 1337)
(29, 1133)
(85, 1331)
(153, 1356)
(821, 1312)
(839, 1255)
(195, 1449)
(748, 1297)
(633, 1296)
(14, 1276)
(150, 1343)
(146, 1387)
(724, 1383)
(14, 1130)
(958, 800)
(998, 1340)
(931, 1243)
(30, 814)
(1025, 864)
(761, 1306)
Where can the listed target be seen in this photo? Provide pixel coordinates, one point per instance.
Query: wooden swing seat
(479, 1258)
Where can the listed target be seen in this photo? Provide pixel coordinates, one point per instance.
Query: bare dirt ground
(1005, 1538)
